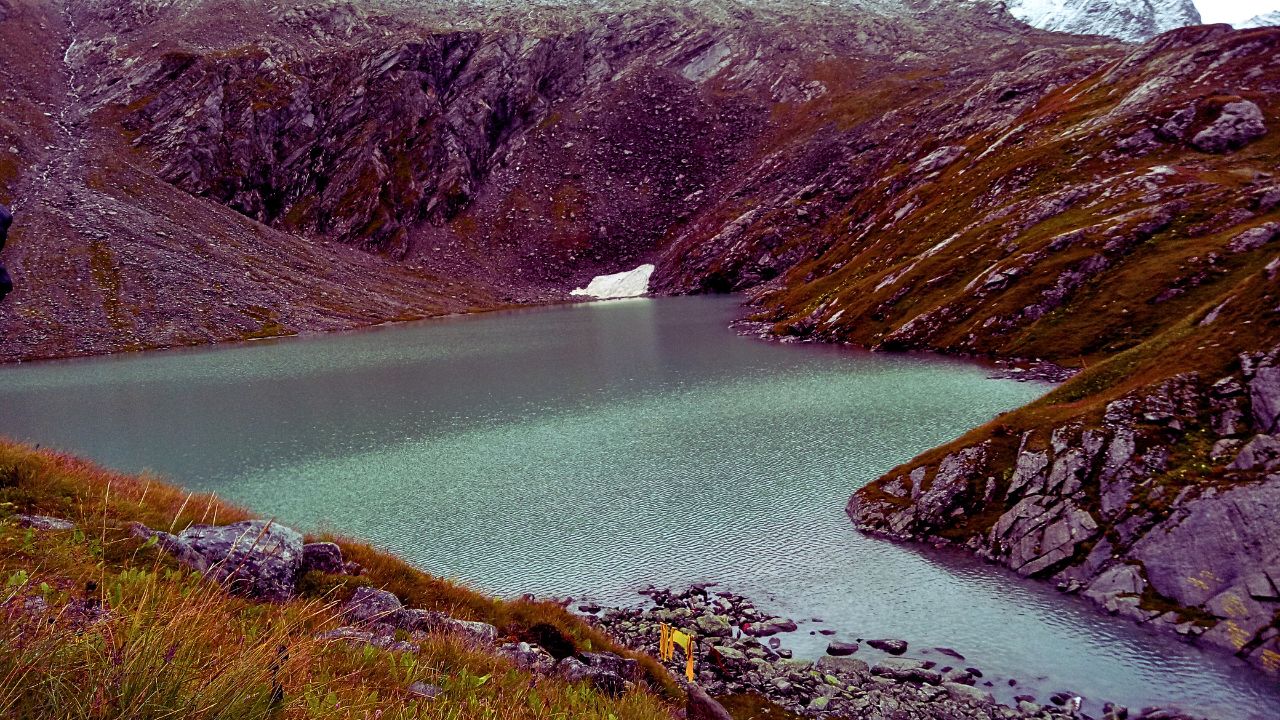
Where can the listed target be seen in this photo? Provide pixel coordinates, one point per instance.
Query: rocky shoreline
(1161, 510)
(739, 652)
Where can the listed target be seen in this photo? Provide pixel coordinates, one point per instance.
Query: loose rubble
(730, 661)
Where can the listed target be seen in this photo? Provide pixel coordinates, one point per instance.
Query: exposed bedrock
(1164, 507)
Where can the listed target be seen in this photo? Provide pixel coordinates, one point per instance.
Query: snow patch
(633, 283)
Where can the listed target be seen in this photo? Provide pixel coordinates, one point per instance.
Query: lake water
(590, 450)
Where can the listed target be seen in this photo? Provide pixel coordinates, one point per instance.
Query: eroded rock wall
(1163, 508)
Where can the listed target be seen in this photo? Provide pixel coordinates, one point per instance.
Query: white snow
(1268, 20)
(633, 283)
(1125, 19)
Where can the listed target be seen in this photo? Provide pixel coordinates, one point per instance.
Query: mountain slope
(1270, 19)
(482, 156)
(1132, 20)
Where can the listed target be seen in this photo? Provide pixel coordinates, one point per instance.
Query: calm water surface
(590, 450)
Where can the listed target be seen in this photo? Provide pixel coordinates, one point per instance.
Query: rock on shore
(732, 661)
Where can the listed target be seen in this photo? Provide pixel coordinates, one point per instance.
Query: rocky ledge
(1164, 509)
(739, 651)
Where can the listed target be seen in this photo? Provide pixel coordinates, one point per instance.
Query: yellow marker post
(668, 639)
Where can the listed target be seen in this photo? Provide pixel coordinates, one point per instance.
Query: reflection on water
(590, 450)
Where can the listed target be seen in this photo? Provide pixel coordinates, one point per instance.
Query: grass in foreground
(97, 624)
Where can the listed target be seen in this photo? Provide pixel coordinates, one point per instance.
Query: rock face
(1132, 20)
(258, 558)
(1167, 499)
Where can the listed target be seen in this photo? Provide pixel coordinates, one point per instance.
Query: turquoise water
(590, 450)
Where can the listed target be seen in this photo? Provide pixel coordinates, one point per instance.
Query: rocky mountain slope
(921, 175)
(1133, 20)
(1270, 19)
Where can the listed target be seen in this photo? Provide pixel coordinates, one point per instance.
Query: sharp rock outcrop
(1162, 508)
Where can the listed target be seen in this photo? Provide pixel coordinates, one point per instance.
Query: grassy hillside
(97, 623)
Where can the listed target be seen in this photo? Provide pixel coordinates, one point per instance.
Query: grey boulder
(1261, 453)
(324, 557)
(256, 558)
(906, 670)
(598, 677)
(180, 549)
(373, 606)
(1239, 124)
(893, 647)
(842, 648)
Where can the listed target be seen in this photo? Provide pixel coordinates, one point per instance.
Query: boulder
(1254, 238)
(480, 632)
(1242, 617)
(372, 606)
(702, 707)
(1261, 453)
(771, 626)
(256, 558)
(528, 657)
(893, 647)
(842, 665)
(359, 636)
(1119, 580)
(1239, 123)
(842, 648)
(624, 667)
(907, 670)
(939, 159)
(713, 626)
(180, 549)
(324, 557)
(968, 694)
(1264, 394)
(425, 691)
(598, 677)
(1264, 585)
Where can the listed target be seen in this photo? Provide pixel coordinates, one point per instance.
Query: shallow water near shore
(590, 450)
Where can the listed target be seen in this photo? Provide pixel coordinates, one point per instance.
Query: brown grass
(169, 643)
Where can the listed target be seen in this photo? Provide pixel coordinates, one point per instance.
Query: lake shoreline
(741, 649)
